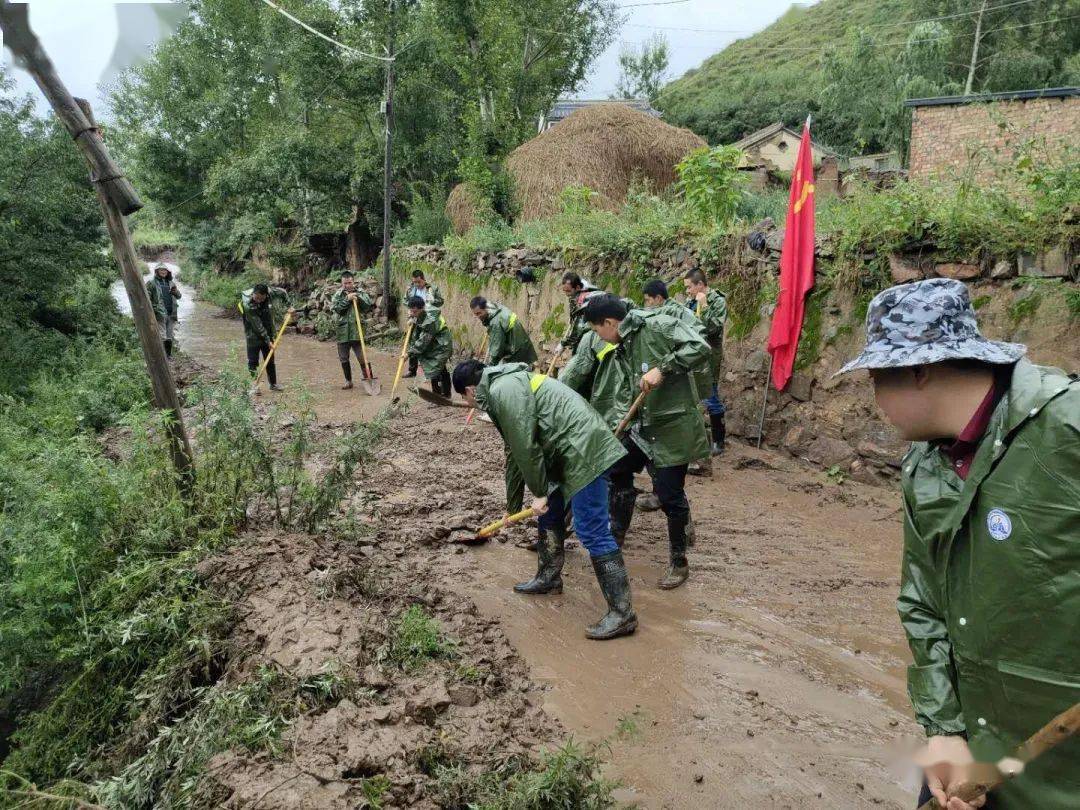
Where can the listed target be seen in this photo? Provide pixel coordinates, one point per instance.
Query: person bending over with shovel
(659, 355)
(348, 331)
(429, 294)
(260, 327)
(431, 344)
(564, 450)
(508, 342)
(990, 577)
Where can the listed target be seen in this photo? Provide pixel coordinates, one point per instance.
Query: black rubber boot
(413, 363)
(678, 569)
(347, 371)
(550, 554)
(648, 502)
(719, 433)
(621, 506)
(620, 619)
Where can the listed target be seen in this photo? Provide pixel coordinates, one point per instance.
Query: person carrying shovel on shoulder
(659, 355)
(348, 334)
(990, 577)
(260, 327)
(564, 451)
(431, 344)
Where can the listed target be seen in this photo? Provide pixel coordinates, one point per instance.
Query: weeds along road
(775, 678)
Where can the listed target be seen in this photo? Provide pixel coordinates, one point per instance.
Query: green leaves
(711, 183)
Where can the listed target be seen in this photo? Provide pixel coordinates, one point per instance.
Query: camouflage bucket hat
(926, 322)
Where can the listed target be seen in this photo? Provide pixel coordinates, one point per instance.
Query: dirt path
(774, 679)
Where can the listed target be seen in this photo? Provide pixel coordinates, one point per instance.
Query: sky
(81, 37)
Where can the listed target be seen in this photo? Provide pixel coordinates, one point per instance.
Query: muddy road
(775, 678)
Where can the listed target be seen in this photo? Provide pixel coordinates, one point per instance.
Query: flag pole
(764, 402)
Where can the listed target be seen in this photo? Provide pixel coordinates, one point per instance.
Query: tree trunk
(975, 49)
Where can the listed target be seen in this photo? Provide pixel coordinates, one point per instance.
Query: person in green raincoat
(348, 335)
(596, 373)
(659, 355)
(564, 451)
(260, 326)
(431, 344)
(710, 307)
(990, 578)
(164, 294)
(431, 296)
(577, 290)
(508, 342)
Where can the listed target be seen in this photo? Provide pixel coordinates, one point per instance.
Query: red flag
(796, 266)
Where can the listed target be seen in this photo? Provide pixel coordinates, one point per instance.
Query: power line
(321, 35)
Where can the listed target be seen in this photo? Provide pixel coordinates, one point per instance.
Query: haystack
(605, 147)
(462, 210)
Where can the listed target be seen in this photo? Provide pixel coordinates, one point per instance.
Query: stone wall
(953, 136)
(830, 422)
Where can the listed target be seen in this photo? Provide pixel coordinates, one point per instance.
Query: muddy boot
(701, 468)
(621, 506)
(550, 554)
(620, 619)
(648, 502)
(679, 568)
(719, 433)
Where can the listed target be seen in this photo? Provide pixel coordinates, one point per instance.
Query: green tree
(642, 70)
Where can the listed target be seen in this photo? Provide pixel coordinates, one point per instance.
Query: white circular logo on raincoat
(644, 368)
(998, 524)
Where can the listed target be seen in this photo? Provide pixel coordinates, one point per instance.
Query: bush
(711, 183)
(428, 223)
(415, 639)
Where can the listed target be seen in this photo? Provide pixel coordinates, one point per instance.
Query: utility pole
(118, 199)
(387, 159)
(975, 50)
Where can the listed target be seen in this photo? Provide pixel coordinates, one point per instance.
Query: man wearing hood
(564, 450)
(164, 294)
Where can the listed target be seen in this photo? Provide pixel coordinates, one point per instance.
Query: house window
(782, 146)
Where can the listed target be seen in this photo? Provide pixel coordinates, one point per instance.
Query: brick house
(954, 133)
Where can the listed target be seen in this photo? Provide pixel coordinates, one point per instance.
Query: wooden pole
(764, 402)
(368, 372)
(401, 359)
(273, 348)
(630, 414)
(388, 159)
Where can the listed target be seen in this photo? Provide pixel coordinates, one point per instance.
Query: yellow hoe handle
(401, 359)
(363, 346)
(498, 525)
(273, 348)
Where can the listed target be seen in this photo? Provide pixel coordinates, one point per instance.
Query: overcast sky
(81, 36)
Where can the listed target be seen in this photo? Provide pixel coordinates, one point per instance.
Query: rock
(1003, 270)
(756, 360)
(1054, 263)
(795, 439)
(774, 241)
(904, 269)
(882, 455)
(800, 386)
(827, 451)
(428, 704)
(463, 695)
(374, 677)
(960, 271)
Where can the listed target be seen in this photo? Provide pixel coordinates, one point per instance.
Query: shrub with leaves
(711, 183)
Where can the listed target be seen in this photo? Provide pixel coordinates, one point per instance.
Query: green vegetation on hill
(851, 63)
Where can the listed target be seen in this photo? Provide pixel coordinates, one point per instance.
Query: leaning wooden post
(117, 198)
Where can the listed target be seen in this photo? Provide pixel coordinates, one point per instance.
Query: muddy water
(215, 338)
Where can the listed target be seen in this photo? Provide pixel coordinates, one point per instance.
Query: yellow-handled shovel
(273, 348)
(500, 524)
(372, 387)
(401, 360)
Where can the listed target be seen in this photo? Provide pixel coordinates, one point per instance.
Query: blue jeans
(713, 404)
(592, 520)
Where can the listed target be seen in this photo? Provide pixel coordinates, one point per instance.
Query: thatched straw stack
(462, 210)
(605, 147)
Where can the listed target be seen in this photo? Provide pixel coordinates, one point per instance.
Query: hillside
(852, 63)
(773, 75)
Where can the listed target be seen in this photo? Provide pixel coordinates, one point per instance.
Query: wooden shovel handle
(498, 525)
(273, 348)
(363, 346)
(551, 365)
(630, 414)
(401, 359)
(1057, 731)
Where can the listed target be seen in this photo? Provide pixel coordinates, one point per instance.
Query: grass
(1025, 308)
(567, 777)
(224, 289)
(415, 639)
(154, 236)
